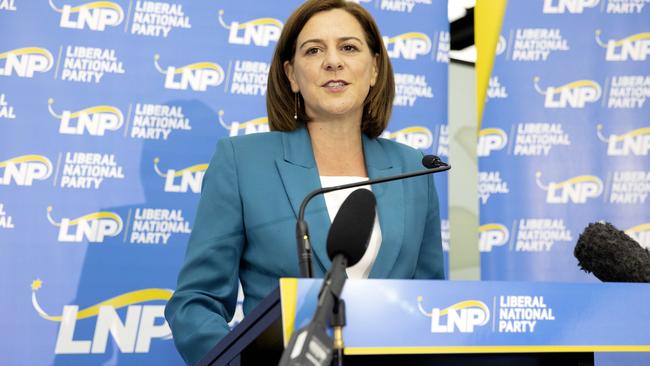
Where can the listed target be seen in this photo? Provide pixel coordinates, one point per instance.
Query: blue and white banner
(565, 138)
(109, 114)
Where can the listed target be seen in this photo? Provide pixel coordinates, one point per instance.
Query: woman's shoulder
(405, 154)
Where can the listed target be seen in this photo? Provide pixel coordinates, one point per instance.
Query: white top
(334, 200)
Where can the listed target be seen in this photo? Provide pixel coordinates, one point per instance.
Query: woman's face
(333, 68)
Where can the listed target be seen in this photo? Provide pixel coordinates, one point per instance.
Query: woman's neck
(338, 148)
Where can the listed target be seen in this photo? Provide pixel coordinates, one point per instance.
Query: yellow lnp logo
(575, 94)
(418, 137)
(93, 227)
(96, 15)
(635, 142)
(26, 61)
(492, 235)
(577, 189)
(133, 335)
(197, 76)
(255, 125)
(491, 139)
(190, 177)
(96, 120)
(408, 45)
(462, 316)
(635, 47)
(641, 234)
(259, 32)
(23, 170)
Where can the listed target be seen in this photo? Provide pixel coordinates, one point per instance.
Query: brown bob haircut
(280, 100)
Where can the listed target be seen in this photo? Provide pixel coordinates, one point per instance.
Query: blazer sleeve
(206, 293)
(430, 260)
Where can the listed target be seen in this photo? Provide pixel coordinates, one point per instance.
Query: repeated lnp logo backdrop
(565, 138)
(109, 114)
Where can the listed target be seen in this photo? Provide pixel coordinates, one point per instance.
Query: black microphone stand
(434, 164)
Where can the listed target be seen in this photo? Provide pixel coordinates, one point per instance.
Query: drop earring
(295, 106)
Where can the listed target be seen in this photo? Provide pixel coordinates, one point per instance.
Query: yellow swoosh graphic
(254, 122)
(464, 304)
(28, 50)
(192, 169)
(120, 301)
(632, 38)
(577, 84)
(487, 227)
(412, 129)
(25, 159)
(261, 21)
(579, 179)
(490, 131)
(97, 215)
(98, 109)
(409, 35)
(637, 132)
(99, 4)
(200, 65)
(638, 228)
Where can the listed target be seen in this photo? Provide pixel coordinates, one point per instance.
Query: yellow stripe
(637, 132)
(409, 36)
(98, 109)
(97, 215)
(254, 122)
(489, 349)
(25, 159)
(200, 65)
(28, 50)
(98, 4)
(192, 169)
(488, 21)
(117, 302)
(412, 129)
(464, 304)
(632, 38)
(289, 298)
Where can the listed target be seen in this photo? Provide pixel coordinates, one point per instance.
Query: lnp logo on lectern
(635, 142)
(408, 45)
(96, 15)
(463, 316)
(255, 125)
(635, 47)
(142, 324)
(189, 178)
(577, 190)
(197, 76)
(258, 32)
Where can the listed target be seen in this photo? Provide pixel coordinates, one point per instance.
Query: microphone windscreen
(350, 232)
(612, 255)
(432, 161)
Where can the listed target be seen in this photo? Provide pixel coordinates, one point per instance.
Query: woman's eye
(312, 51)
(349, 48)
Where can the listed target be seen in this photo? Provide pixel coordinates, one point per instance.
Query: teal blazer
(245, 228)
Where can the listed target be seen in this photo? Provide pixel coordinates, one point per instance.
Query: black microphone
(431, 162)
(347, 241)
(611, 255)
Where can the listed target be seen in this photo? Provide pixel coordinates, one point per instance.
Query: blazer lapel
(390, 207)
(300, 176)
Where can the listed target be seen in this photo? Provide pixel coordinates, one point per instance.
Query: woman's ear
(289, 72)
(375, 71)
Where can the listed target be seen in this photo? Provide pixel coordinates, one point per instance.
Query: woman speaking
(329, 97)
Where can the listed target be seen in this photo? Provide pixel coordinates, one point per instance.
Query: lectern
(420, 322)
